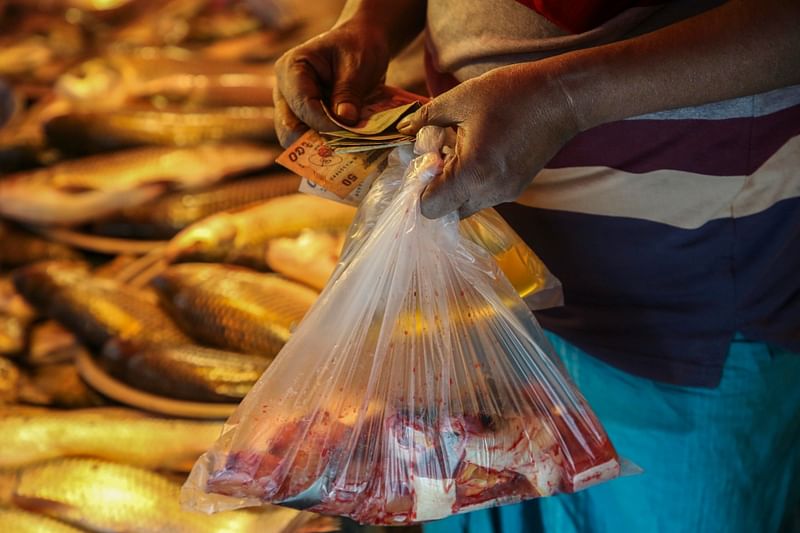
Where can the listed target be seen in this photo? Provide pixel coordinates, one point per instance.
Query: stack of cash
(341, 164)
(376, 132)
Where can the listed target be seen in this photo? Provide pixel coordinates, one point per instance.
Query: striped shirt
(670, 231)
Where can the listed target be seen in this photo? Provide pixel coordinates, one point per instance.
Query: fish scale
(103, 496)
(232, 307)
(166, 216)
(96, 309)
(81, 190)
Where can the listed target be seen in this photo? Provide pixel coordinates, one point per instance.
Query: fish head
(211, 239)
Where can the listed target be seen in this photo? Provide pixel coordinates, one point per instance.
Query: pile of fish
(153, 258)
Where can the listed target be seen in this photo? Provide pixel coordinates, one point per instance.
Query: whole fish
(242, 236)
(186, 372)
(96, 309)
(104, 496)
(19, 521)
(19, 247)
(84, 189)
(166, 216)
(232, 307)
(310, 258)
(89, 131)
(10, 381)
(174, 75)
(121, 435)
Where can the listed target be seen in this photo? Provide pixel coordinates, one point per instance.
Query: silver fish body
(232, 307)
(186, 372)
(79, 190)
(166, 216)
(242, 236)
(104, 433)
(88, 131)
(104, 496)
(95, 309)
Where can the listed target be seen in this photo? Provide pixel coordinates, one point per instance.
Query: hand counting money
(344, 161)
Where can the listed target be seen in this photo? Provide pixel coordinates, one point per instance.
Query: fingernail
(404, 124)
(347, 111)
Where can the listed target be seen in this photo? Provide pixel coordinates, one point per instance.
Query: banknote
(339, 173)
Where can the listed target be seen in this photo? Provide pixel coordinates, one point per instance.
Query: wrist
(393, 24)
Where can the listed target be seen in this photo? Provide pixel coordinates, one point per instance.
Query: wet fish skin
(113, 434)
(166, 216)
(90, 132)
(96, 309)
(232, 307)
(242, 236)
(103, 496)
(19, 247)
(186, 372)
(85, 189)
(19, 521)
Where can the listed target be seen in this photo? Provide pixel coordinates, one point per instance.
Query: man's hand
(509, 123)
(342, 66)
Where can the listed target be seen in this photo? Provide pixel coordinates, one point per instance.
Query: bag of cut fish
(419, 385)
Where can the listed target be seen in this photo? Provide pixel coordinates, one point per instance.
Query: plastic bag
(419, 385)
(527, 273)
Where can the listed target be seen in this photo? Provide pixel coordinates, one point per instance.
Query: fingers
(437, 112)
(287, 126)
(300, 83)
(348, 92)
(471, 180)
(450, 189)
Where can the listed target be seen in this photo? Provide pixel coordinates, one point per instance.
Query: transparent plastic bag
(419, 385)
(527, 273)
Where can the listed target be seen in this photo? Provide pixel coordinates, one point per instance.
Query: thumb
(437, 112)
(349, 88)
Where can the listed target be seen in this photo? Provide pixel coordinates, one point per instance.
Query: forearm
(739, 48)
(399, 20)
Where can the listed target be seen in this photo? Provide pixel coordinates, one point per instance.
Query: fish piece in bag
(418, 386)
